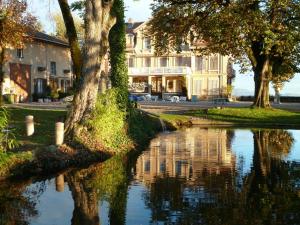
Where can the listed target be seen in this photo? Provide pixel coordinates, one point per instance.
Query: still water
(191, 176)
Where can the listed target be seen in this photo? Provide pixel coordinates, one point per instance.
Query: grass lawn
(248, 116)
(44, 121)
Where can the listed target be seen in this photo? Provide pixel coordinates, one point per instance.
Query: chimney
(130, 20)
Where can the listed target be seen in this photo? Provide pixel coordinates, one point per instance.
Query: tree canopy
(60, 28)
(263, 35)
(15, 23)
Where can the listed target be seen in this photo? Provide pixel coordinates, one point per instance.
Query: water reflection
(15, 208)
(187, 154)
(193, 176)
(193, 179)
(107, 181)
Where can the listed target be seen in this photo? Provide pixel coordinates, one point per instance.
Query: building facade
(44, 63)
(183, 74)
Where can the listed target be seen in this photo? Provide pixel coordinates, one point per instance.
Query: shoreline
(48, 160)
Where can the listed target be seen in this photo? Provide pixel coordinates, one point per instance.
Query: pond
(191, 176)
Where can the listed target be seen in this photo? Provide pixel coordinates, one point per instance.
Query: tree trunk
(98, 22)
(262, 74)
(277, 95)
(2, 53)
(86, 209)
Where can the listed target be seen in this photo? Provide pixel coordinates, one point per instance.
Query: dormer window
(147, 43)
(20, 53)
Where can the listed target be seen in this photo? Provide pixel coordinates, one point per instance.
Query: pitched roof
(40, 36)
(131, 26)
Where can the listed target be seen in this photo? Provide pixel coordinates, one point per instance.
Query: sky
(140, 11)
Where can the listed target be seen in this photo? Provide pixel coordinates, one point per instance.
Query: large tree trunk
(86, 209)
(262, 76)
(98, 22)
(2, 52)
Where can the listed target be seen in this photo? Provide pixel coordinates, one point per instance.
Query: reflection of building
(186, 73)
(187, 154)
(45, 60)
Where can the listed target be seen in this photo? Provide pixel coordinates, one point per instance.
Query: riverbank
(36, 155)
(246, 117)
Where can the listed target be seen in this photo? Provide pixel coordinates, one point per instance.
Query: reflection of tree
(105, 181)
(270, 188)
(17, 204)
(85, 199)
(267, 195)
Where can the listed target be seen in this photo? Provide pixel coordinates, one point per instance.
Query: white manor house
(182, 74)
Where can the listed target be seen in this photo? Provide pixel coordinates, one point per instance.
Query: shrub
(108, 123)
(54, 95)
(7, 138)
(37, 96)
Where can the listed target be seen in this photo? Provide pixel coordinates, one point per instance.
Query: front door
(156, 86)
(20, 79)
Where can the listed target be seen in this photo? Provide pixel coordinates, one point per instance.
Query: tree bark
(262, 77)
(2, 54)
(98, 22)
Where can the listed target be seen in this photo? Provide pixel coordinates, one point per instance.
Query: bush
(108, 123)
(9, 98)
(7, 138)
(37, 96)
(54, 95)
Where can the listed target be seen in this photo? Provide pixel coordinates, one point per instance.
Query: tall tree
(279, 78)
(15, 22)
(98, 21)
(260, 34)
(60, 28)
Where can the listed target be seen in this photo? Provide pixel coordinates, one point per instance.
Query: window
(163, 62)
(162, 166)
(179, 61)
(62, 86)
(39, 85)
(147, 166)
(148, 62)
(178, 165)
(20, 53)
(68, 85)
(170, 85)
(197, 87)
(213, 62)
(130, 62)
(200, 63)
(53, 68)
(147, 43)
(213, 87)
(187, 61)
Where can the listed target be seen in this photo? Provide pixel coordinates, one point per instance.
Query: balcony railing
(152, 71)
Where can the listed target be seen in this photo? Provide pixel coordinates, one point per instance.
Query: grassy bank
(44, 122)
(37, 155)
(237, 116)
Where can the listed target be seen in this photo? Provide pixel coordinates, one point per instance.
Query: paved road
(171, 107)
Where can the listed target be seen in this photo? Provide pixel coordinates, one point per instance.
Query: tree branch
(73, 38)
